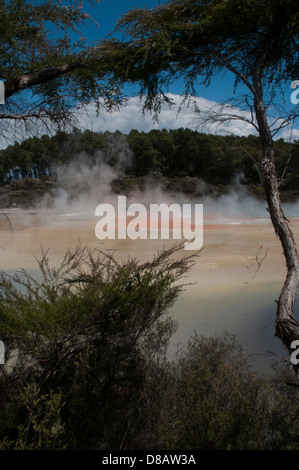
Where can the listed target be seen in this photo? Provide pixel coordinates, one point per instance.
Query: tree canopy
(48, 66)
(195, 40)
(184, 160)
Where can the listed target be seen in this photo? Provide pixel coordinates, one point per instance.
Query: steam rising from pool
(237, 229)
(84, 184)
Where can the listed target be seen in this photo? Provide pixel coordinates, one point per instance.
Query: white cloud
(179, 115)
(289, 134)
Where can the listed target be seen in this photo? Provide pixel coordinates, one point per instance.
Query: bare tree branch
(32, 79)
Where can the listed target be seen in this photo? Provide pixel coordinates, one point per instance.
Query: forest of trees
(171, 154)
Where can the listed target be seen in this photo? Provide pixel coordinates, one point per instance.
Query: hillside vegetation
(181, 160)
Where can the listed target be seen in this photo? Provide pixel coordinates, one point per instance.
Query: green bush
(84, 332)
(87, 365)
(214, 400)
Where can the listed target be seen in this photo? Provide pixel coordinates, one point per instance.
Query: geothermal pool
(230, 292)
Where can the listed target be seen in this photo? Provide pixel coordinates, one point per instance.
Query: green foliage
(210, 399)
(175, 154)
(77, 342)
(86, 342)
(44, 422)
(284, 420)
(87, 366)
(194, 41)
(46, 57)
(215, 401)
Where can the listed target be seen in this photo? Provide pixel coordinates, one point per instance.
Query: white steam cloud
(85, 183)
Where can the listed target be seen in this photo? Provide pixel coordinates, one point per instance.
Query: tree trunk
(287, 328)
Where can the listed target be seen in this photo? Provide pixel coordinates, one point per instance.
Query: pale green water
(230, 293)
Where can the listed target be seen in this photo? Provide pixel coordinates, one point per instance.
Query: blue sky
(107, 13)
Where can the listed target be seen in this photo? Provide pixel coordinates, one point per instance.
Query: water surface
(235, 281)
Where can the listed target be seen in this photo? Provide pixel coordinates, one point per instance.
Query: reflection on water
(246, 311)
(234, 283)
